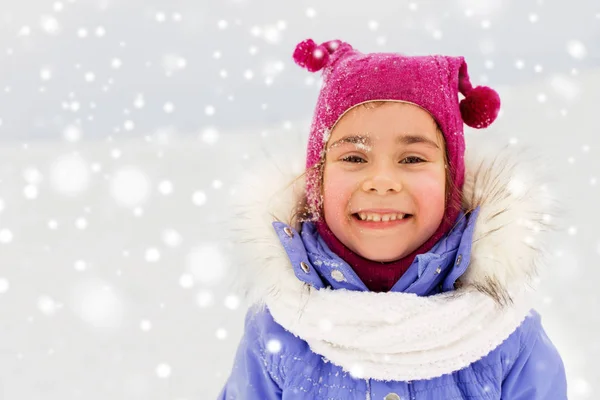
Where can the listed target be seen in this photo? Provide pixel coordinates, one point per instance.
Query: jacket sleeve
(251, 377)
(538, 373)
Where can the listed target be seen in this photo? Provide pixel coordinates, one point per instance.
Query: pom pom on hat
(480, 107)
(312, 57)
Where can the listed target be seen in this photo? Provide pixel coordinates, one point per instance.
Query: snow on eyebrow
(361, 142)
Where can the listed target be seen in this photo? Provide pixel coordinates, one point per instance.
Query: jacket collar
(430, 273)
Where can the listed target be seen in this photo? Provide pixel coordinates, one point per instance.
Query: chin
(386, 259)
(378, 257)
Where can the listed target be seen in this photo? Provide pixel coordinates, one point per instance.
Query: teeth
(379, 217)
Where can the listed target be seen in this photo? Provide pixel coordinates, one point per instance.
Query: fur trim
(515, 207)
(508, 184)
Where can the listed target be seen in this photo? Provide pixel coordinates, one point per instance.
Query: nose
(382, 181)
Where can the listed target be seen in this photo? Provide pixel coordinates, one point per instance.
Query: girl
(400, 269)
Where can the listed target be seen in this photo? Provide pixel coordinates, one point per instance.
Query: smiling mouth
(374, 217)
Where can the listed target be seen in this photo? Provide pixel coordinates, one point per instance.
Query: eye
(414, 160)
(353, 159)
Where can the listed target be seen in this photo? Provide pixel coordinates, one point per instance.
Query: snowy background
(124, 124)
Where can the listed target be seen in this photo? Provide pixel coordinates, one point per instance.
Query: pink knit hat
(431, 82)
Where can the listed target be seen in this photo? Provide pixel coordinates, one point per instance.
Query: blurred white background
(124, 124)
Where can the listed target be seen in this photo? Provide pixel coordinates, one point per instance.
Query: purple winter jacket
(274, 363)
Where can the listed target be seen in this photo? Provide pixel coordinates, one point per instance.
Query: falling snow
(204, 299)
(171, 238)
(4, 285)
(274, 346)
(186, 281)
(122, 142)
(163, 371)
(199, 198)
(207, 263)
(145, 325)
(69, 174)
(6, 236)
(576, 49)
(130, 186)
(232, 302)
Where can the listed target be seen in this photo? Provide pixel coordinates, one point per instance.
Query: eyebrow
(411, 139)
(353, 139)
(402, 139)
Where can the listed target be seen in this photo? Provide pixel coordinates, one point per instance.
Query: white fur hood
(397, 341)
(508, 184)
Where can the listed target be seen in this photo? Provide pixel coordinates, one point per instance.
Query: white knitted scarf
(400, 336)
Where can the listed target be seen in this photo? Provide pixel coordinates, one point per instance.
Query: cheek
(430, 190)
(337, 191)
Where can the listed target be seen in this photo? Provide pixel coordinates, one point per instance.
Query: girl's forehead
(379, 122)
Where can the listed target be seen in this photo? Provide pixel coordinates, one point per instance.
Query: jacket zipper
(368, 389)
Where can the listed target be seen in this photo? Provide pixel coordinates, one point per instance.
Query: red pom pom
(480, 107)
(310, 56)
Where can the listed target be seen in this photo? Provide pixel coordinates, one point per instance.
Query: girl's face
(381, 163)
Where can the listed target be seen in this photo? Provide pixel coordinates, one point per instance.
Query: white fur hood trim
(408, 337)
